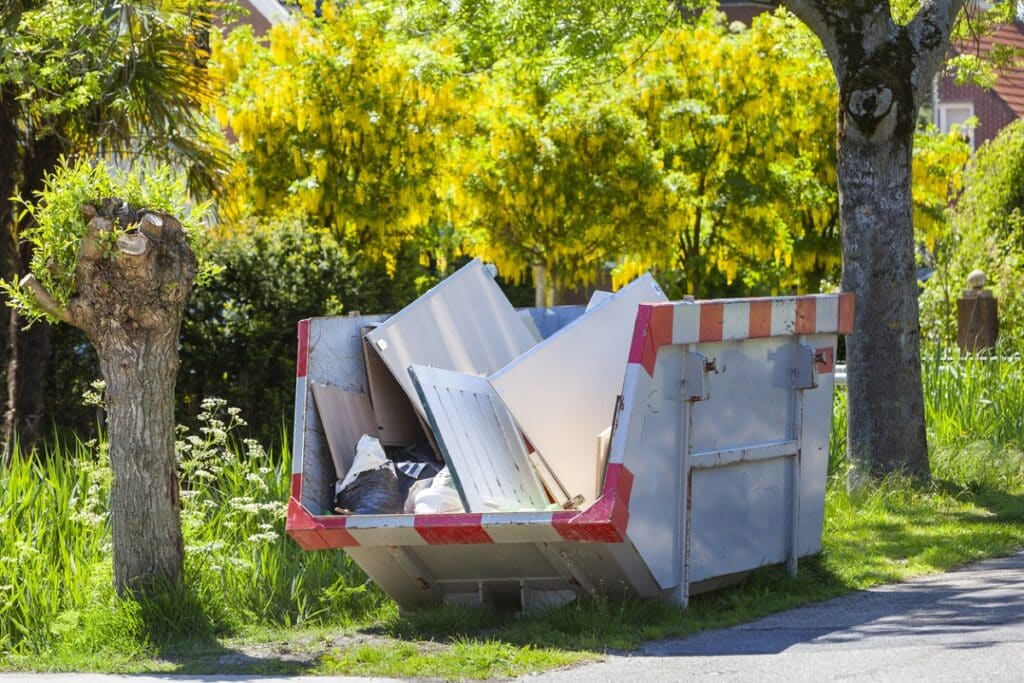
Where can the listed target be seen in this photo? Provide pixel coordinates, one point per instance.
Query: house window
(957, 114)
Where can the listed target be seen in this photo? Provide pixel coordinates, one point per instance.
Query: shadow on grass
(166, 628)
(910, 538)
(599, 624)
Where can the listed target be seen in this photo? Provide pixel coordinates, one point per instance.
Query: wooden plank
(562, 391)
(465, 324)
(479, 441)
(346, 416)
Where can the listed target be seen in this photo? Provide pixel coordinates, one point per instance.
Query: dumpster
(716, 465)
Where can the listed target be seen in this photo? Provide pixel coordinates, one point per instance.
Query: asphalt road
(967, 625)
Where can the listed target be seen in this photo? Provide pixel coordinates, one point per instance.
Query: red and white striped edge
(604, 521)
(695, 322)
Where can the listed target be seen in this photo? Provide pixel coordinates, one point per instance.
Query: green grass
(255, 603)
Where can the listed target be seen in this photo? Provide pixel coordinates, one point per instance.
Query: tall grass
(56, 599)
(974, 410)
(241, 570)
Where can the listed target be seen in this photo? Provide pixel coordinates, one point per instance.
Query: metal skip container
(717, 465)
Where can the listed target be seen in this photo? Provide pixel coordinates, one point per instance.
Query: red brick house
(994, 108)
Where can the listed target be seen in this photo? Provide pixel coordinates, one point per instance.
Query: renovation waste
(461, 391)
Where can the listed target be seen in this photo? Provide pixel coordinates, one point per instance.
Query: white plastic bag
(441, 497)
(369, 456)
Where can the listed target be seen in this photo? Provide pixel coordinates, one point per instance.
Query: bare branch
(43, 298)
(930, 30)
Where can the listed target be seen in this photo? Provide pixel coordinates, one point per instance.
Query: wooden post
(977, 319)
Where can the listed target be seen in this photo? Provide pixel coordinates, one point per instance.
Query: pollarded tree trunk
(884, 71)
(129, 301)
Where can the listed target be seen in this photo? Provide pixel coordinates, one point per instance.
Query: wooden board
(562, 391)
(346, 416)
(465, 324)
(479, 441)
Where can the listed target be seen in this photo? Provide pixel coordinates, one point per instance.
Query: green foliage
(993, 201)
(56, 590)
(238, 335)
(58, 225)
(987, 233)
(124, 80)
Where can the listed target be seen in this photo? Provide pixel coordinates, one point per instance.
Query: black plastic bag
(372, 492)
(411, 472)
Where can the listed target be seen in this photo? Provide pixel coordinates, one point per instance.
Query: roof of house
(1009, 85)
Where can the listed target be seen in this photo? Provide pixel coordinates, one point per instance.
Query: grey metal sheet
(479, 441)
(465, 324)
(551, 320)
(562, 391)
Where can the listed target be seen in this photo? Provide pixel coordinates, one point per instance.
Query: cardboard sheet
(346, 416)
(396, 419)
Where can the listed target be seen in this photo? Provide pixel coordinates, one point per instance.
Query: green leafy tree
(122, 80)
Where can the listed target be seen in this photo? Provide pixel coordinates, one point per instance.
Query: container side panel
(335, 359)
(751, 394)
(648, 441)
(739, 517)
(816, 428)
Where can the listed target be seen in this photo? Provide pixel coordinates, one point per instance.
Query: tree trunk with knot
(129, 300)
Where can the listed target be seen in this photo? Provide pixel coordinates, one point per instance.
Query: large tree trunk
(130, 304)
(884, 71)
(886, 404)
(144, 505)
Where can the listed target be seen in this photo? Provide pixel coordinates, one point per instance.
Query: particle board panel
(479, 441)
(562, 391)
(465, 324)
(396, 419)
(346, 417)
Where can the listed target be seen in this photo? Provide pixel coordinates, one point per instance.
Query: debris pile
(472, 406)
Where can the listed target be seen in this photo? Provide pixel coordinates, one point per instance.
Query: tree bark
(9, 173)
(886, 403)
(130, 304)
(144, 502)
(884, 71)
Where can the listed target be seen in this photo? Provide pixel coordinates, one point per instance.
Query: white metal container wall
(687, 421)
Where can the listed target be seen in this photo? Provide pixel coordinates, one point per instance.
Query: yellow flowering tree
(343, 119)
(743, 122)
(559, 187)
